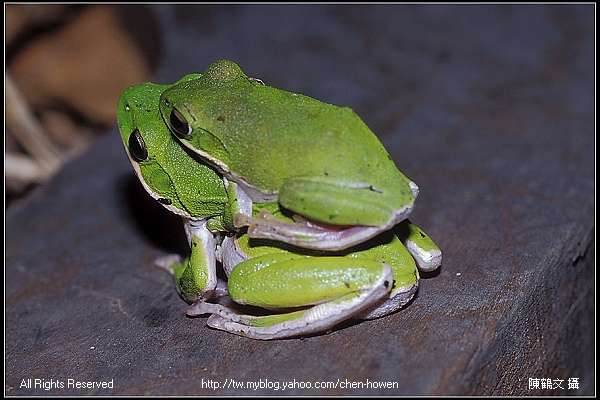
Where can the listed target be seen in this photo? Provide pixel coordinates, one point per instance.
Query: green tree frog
(183, 185)
(317, 160)
(366, 282)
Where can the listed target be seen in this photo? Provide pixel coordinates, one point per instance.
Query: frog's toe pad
(168, 262)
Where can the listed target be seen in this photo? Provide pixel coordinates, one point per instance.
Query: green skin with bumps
(317, 160)
(367, 281)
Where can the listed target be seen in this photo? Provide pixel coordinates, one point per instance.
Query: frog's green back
(266, 136)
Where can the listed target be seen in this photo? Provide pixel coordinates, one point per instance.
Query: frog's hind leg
(314, 319)
(357, 284)
(304, 233)
(332, 215)
(393, 252)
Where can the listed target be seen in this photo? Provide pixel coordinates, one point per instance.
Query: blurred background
(66, 66)
(413, 69)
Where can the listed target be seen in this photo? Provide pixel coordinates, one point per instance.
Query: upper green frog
(317, 160)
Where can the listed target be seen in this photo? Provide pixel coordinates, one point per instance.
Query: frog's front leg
(195, 277)
(320, 292)
(332, 215)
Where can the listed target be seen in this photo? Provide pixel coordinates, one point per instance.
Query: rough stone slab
(490, 109)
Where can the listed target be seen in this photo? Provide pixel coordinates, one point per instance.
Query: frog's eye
(179, 125)
(137, 146)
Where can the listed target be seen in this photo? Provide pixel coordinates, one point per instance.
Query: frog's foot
(220, 291)
(427, 260)
(169, 263)
(305, 233)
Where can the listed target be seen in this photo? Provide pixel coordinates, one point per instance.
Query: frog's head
(167, 172)
(188, 103)
(140, 126)
(191, 109)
